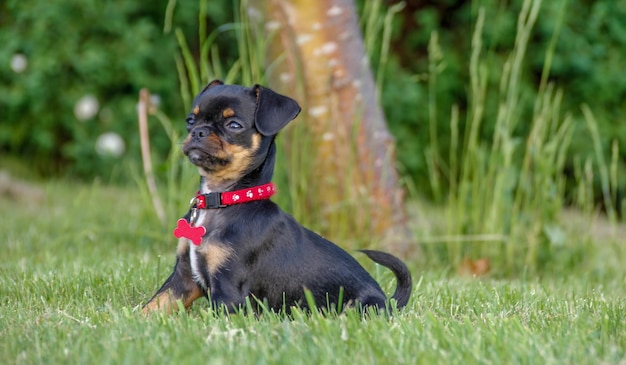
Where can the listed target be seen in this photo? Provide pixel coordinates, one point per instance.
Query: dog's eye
(233, 125)
(190, 121)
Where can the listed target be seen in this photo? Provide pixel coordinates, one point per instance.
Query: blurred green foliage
(587, 65)
(112, 49)
(74, 48)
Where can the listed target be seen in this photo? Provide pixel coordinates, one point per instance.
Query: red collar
(187, 228)
(216, 200)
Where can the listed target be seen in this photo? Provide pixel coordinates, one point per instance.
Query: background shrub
(76, 48)
(586, 65)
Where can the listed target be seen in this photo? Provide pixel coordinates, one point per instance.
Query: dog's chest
(212, 254)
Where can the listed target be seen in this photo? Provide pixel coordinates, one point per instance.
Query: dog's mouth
(206, 154)
(201, 158)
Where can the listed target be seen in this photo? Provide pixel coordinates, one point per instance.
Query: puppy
(235, 243)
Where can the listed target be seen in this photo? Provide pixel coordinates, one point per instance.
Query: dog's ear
(273, 111)
(211, 84)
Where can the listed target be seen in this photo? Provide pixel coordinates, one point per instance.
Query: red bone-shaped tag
(185, 230)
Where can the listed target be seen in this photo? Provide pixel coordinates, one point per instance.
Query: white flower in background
(155, 100)
(86, 107)
(19, 62)
(110, 144)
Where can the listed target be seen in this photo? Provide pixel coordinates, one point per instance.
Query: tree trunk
(317, 56)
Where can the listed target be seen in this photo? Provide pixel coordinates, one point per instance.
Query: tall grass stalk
(142, 111)
(374, 22)
(500, 208)
(605, 179)
(434, 162)
(614, 177)
(583, 196)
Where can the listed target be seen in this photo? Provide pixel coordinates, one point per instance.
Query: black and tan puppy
(235, 243)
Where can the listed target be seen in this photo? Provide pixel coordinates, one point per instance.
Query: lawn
(77, 264)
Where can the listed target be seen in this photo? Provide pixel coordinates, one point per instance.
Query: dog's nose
(200, 132)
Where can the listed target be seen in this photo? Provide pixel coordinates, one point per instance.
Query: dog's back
(298, 259)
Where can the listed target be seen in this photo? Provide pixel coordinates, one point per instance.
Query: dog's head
(231, 128)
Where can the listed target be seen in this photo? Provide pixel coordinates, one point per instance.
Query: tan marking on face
(166, 302)
(214, 83)
(216, 255)
(214, 140)
(239, 157)
(228, 112)
(196, 110)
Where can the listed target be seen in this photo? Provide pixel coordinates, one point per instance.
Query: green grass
(75, 267)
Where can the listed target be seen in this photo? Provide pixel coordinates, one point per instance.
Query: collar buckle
(211, 200)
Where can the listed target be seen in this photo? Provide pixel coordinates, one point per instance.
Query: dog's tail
(399, 269)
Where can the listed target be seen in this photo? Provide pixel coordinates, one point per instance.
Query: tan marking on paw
(166, 302)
